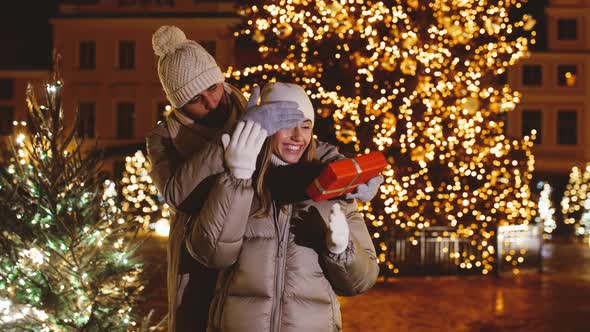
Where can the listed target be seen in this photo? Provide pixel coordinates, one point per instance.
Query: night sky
(25, 32)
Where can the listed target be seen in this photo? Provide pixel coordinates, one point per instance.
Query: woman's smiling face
(290, 143)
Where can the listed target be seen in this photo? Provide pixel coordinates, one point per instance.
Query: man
(186, 154)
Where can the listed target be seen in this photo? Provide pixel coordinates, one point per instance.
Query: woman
(282, 264)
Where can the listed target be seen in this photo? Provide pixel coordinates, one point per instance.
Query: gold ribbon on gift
(340, 190)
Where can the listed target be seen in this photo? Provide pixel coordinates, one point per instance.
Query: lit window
(566, 75)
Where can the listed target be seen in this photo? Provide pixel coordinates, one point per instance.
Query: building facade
(110, 70)
(13, 108)
(556, 90)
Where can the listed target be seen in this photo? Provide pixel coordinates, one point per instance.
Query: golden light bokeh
(417, 80)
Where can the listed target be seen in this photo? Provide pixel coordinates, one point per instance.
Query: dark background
(25, 34)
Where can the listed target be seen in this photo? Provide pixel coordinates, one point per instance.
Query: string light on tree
(546, 214)
(141, 198)
(162, 227)
(575, 205)
(67, 261)
(583, 228)
(416, 80)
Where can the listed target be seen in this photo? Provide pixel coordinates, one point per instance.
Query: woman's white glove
(366, 191)
(243, 148)
(338, 232)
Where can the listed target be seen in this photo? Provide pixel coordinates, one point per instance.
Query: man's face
(203, 103)
(290, 143)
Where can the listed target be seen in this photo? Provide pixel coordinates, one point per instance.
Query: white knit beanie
(277, 91)
(185, 68)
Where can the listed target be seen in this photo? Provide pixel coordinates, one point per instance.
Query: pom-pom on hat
(185, 68)
(278, 91)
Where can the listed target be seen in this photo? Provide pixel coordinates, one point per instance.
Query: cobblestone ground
(556, 300)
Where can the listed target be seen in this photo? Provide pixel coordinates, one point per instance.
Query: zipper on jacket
(276, 214)
(279, 269)
(274, 300)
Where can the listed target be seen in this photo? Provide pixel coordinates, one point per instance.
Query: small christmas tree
(575, 204)
(141, 198)
(67, 253)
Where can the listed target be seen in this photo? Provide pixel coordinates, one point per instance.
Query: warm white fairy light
(69, 255)
(420, 87)
(35, 255)
(546, 214)
(583, 228)
(20, 139)
(162, 227)
(141, 194)
(575, 204)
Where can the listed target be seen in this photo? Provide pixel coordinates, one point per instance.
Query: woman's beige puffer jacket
(276, 273)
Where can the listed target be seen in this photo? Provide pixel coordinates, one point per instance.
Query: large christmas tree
(422, 82)
(67, 253)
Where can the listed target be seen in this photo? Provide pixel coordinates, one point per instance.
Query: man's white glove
(242, 149)
(366, 191)
(338, 232)
(272, 116)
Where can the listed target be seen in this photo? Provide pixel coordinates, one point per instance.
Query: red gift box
(342, 176)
